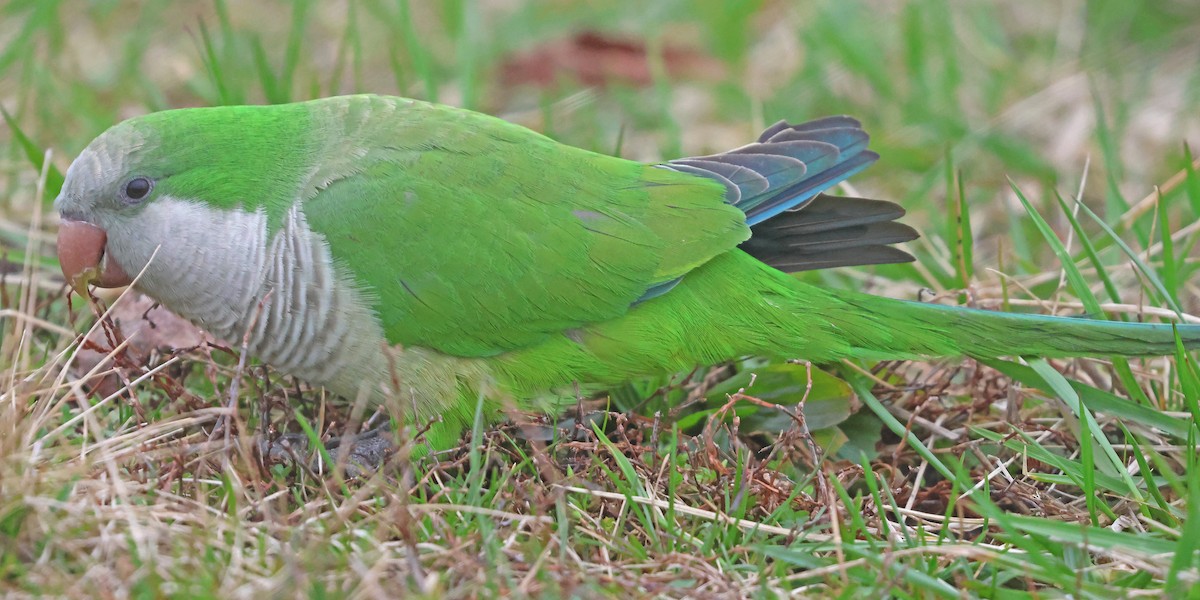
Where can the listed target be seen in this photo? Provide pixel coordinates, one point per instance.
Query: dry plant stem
(76, 387)
(1062, 271)
(235, 382)
(902, 413)
(406, 521)
(823, 486)
(21, 319)
(681, 508)
(403, 507)
(697, 392)
(977, 551)
(1146, 204)
(28, 291)
(869, 375)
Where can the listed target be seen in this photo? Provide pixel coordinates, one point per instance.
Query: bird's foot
(360, 454)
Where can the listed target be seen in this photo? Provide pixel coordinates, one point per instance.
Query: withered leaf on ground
(599, 59)
(148, 327)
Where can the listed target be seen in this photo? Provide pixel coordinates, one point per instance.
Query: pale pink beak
(81, 255)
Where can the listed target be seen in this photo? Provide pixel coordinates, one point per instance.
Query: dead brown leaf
(149, 328)
(600, 59)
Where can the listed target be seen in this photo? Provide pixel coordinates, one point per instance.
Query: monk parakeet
(429, 256)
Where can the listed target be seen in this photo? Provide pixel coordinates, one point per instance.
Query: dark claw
(363, 453)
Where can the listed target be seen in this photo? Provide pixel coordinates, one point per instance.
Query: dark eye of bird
(137, 188)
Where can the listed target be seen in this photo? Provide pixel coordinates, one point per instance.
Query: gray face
(97, 204)
(117, 225)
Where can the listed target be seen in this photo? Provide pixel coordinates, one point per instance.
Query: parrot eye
(138, 188)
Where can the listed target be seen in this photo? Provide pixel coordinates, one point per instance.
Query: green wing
(476, 236)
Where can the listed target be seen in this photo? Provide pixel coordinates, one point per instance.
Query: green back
(476, 236)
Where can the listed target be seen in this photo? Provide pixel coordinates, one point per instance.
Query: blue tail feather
(796, 162)
(808, 188)
(778, 170)
(748, 181)
(836, 121)
(816, 155)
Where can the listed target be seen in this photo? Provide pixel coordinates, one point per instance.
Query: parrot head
(187, 187)
(202, 208)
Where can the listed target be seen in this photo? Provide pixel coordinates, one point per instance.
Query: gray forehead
(97, 167)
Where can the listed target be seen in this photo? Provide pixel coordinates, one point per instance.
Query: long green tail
(736, 306)
(933, 329)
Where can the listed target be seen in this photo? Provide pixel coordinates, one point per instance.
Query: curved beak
(81, 255)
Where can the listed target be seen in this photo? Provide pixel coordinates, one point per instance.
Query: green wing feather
(477, 236)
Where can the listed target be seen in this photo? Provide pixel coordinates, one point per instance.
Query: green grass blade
(1191, 181)
(1087, 422)
(860, 387)
(36, 157)
(1143, 268)
(1097, 400)
(1078, 284)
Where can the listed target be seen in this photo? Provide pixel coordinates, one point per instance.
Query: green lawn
(947, 478)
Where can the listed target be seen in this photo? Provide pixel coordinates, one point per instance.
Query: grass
(949, 478)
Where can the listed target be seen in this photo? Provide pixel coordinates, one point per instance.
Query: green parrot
(427, 256)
